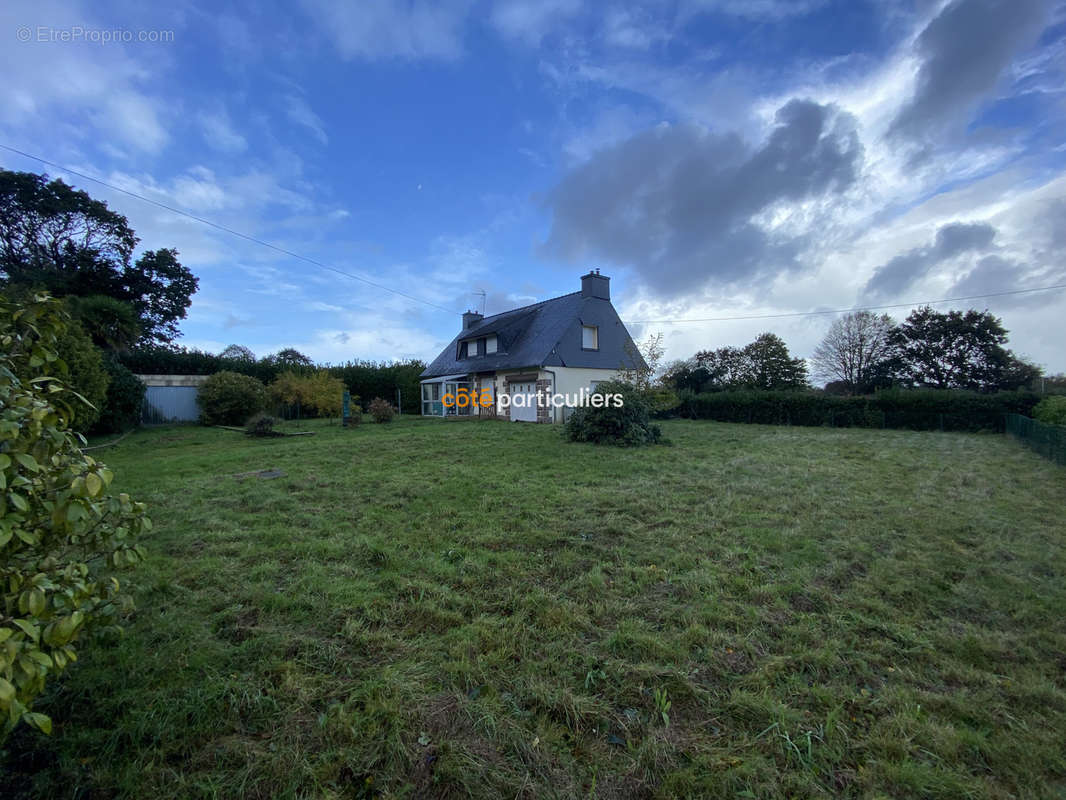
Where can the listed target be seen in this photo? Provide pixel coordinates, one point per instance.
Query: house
(558, 346)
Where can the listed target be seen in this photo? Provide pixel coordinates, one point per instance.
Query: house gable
(545, 334)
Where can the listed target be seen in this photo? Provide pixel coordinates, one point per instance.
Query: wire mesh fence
(1048, 440)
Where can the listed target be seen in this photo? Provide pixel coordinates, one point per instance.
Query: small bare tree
(853, 349)
(652, 351)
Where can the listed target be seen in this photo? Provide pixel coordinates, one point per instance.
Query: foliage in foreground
(1051, 410)
(60, 532)
(229, 398)
(627, 424)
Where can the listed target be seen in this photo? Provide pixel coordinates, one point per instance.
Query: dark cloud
(950, 241)
(964, 51)
(678, 203)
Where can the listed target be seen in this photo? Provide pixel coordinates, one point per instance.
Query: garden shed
(170, 398)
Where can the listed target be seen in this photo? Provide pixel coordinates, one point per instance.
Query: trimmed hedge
(913, 409)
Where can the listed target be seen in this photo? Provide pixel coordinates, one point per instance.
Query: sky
(715, 158)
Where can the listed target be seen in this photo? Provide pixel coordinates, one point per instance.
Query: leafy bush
(380, 410)
(627, 425)
(85, 374)
(228, 398)
(1051, 410)
(318, 394)
(914, 409)
(125, 396)
(60, 532)
(262, 425)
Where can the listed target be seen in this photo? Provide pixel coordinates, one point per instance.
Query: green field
(450, 609)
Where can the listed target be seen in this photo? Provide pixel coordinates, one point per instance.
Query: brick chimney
(471, 318)
(596, 285)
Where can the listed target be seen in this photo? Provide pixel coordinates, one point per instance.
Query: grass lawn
(434, 609)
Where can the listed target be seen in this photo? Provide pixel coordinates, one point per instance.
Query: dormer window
(590, 337)
(471, 348)
(490, 345)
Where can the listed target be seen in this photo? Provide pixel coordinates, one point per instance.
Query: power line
(844, 310)
(223, 228)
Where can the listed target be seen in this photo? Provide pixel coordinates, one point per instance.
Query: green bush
(380, 410)
(85, 374)
(125, 396)
(914, 409)
(60, 533)
(262, 425)
(228, 398)
(627, 424)
(1051, 410)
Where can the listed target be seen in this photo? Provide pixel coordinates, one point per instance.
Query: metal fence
(1048, 440)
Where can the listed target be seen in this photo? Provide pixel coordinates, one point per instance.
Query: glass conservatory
(434, 390)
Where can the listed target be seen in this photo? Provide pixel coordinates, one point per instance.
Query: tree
(112, 324)
(957, 350)
(725, 368)
(772, 367)
(646, 358)
(61, 534)
(289, 357)
(57, 238)
(161, 290)
(237, 352)
(325, 394)
(854, 351)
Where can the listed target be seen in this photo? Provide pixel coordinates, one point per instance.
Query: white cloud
(300, 112)
(77, 81)
(406, 29)
(220, 134)
(529, 21)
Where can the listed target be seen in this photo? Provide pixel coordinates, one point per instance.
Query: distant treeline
(366, 379)
(914, 409)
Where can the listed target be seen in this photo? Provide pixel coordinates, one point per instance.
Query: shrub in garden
(1051, 410)
(60, 533)
(125, 396)
(261, 425)
(229, 398)
(380, 410)
(85, 374)
(626, 425)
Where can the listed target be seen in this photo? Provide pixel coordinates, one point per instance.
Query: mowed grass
(433, 609)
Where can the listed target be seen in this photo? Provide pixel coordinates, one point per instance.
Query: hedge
(365, 379)
(913, 409)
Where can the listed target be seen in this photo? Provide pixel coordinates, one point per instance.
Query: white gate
(525, 393)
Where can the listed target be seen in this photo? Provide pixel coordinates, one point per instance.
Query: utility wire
(844, 310)
(223, 228)
(321, 265)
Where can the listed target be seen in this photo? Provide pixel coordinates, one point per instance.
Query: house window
(471, 348)
(590, 337)
(490, 345)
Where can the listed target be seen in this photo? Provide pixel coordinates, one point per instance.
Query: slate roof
(543, 334)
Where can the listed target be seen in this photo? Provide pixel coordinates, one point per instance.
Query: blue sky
(715, 157)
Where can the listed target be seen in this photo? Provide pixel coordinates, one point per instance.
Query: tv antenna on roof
(481, 292)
